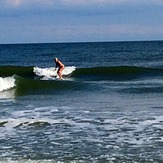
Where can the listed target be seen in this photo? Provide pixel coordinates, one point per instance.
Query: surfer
(60, 66)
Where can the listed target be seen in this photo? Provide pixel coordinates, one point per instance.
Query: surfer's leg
(60, 72)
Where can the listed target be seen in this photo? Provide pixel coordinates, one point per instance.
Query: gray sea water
(109, 109)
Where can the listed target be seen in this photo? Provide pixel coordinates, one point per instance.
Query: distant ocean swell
(30, 79)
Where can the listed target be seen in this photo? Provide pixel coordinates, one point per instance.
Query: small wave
(14, 123)
(93, 73)
(24, 85)
(143, 90)
(7, 83)
(48, 72)
(2, 160)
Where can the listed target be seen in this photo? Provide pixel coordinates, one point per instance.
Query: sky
(53, 21)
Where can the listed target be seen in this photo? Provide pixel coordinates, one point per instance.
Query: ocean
(108, 108)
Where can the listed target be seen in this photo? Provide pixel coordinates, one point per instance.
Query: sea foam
(48, 72)
(6, 83)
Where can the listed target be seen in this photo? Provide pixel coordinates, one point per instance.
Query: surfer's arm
(56, 65)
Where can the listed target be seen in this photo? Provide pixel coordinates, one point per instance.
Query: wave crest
(48, 72)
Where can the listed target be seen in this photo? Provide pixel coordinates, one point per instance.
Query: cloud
(60, 2)
(71, 33)
(13, 2)
(79, 2)
(80, 20)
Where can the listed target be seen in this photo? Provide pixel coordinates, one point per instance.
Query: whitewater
(52, 72)
(7, 83)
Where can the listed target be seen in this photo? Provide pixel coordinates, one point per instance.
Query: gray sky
(50, 21)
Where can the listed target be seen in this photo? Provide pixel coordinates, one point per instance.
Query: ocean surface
(108, 108)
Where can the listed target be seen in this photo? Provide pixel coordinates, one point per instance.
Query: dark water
(109, 109)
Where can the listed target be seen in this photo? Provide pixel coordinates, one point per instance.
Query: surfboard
(56, 78)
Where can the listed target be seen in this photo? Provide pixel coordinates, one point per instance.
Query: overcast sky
(50, 21)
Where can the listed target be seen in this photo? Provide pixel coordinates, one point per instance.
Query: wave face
(16, 70)
(30, 86)
(116, 73)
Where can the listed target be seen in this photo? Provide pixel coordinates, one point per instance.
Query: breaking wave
(7, 83)
(93, 73)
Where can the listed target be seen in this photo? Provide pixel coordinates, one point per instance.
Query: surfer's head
(55, 59)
